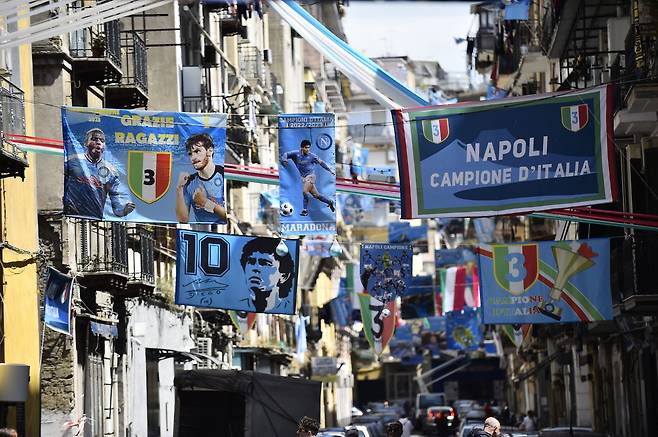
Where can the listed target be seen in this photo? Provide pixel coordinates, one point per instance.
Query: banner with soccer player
(385, 272)
(57, 305)
(493, 158)
(546, 282)
(144, 166)
(307, 174)
(235, 272)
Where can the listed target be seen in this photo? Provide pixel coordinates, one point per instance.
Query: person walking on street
(308, 427)
(529, 422)
(491, 429)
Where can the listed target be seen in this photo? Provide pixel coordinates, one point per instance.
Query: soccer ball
(286, 209)
(385, 313)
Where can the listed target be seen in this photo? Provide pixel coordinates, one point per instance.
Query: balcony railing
(202, 104)
(141, 256)
(99, 41)
(252, 65)
(633, 273)
(12, 108)
(132, 89)
(135, 60)
(642, 51)
(100, 247)
(13, 159)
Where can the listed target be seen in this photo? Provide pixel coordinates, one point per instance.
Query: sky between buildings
(421, 30)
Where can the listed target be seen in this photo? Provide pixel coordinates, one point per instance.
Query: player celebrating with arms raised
(305, 162)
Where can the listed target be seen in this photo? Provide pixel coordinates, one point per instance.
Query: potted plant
(98, 46)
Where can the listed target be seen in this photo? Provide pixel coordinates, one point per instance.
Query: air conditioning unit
(204, 346)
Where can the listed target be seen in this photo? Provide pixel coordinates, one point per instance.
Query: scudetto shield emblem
(436, 131)
(574, 118)
(149, 174)
(516, 267)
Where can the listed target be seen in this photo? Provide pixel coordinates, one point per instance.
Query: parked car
(356, 412)
(436, 413)
(363, 430)
(564, 431)
(331, 432)
(474, 418)
(465, 430)
(424, 401)
(463, 406)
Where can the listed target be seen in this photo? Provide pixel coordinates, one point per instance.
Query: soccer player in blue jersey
(305, 162)
(89, 179)
(203, 190)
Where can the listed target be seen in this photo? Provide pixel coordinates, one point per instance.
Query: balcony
(141, 260)
(132, 90)
(252, 65)
(637, 95)
(634, 288)
(96, 53)
(202, 104)
(101, 254)
(13, 159)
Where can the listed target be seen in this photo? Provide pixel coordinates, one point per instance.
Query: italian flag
(459, 288)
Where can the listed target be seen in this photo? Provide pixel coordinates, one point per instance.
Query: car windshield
(431, 400)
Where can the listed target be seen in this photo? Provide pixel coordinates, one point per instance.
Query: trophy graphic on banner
(568, 263)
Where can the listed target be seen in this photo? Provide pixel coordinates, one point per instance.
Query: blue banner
(359, 160)
(57, 306)
(546, 282)
(403, 232)
(418, 301)
(484, 229)
(386, 270)
(144, 166)
(319, 245)
(307, 174)
(493, 158)
(453, 257)
(235, 272)
(341, 310)
(463, 330)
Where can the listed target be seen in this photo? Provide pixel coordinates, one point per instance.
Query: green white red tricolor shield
(149, 174)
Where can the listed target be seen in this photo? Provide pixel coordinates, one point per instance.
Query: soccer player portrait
(89, 179)
(268, 276)
(202, 191)
(305, 161)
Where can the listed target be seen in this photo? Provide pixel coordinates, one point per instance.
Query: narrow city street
(328, 218)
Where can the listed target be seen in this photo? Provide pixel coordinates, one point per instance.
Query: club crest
(516, 267)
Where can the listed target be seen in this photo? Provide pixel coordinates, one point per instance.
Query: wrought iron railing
(134, 60)
(202, 103)
(633, 266)
(141, 255)
(252, 65)
(98, 41)
(100, 247)
(12, 116)
(12, 108)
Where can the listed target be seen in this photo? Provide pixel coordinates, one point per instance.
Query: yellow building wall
(18, 224)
